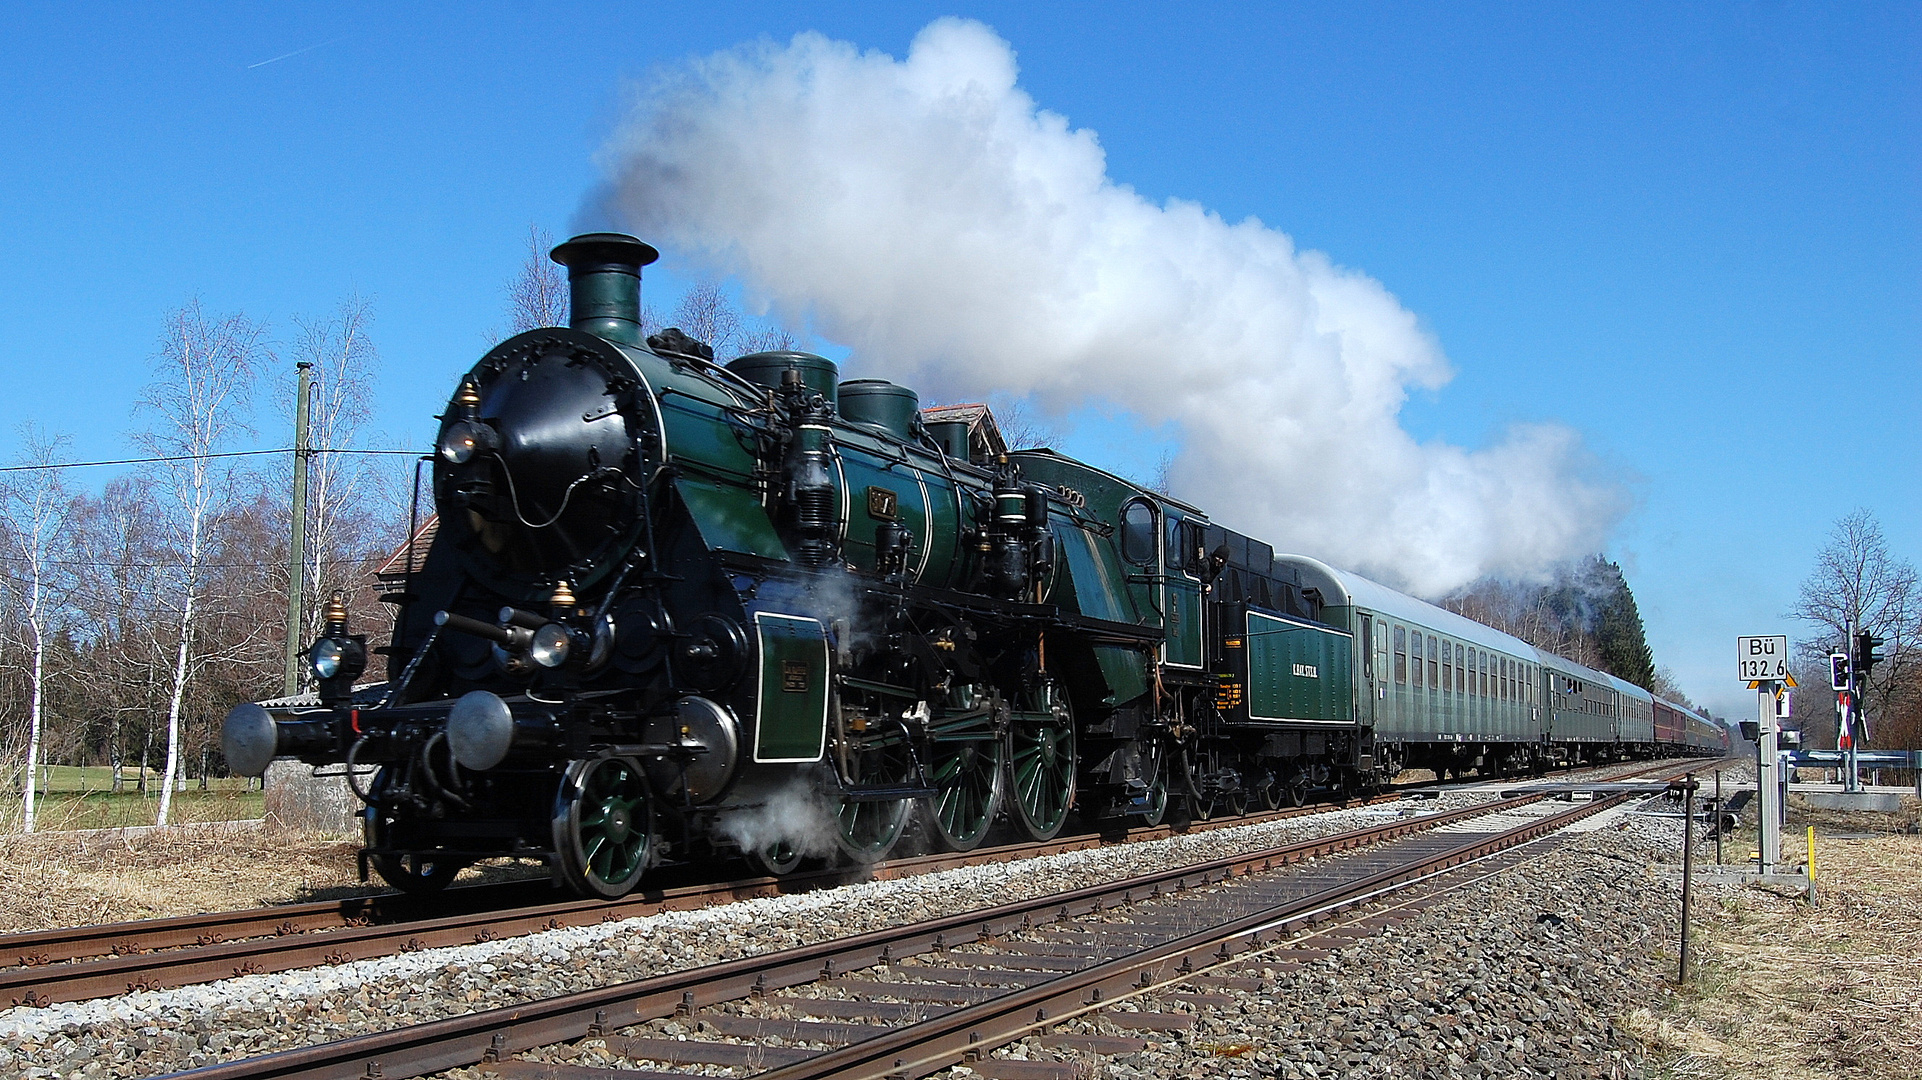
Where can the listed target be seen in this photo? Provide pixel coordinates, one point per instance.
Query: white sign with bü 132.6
(1765, 658)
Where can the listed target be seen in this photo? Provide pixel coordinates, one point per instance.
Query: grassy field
(1785, 991)
(82, 797)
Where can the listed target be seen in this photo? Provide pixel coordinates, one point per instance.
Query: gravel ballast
(1525, 973)
(152, 1032)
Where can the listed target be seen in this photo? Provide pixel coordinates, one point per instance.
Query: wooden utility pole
(297, 546)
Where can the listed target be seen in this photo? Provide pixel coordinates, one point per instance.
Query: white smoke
(959, 239)
(795, 813)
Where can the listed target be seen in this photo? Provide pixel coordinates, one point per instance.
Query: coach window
(1138, 532)
(1368, 648)
(1460, 675)
(1481, 664)
(1401, 654)
(1381, 649)
(1414, 654)
(1434, 664)
(1448, 669)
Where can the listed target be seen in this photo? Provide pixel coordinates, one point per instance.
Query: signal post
(1762, 662)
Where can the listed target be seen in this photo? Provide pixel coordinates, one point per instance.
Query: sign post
(1762, 662)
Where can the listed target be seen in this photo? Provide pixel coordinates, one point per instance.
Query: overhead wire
(198, 457)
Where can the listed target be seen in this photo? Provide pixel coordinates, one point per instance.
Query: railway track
(1088, 969)
(87, 962)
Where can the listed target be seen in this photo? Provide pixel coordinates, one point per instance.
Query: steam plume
(928, 214)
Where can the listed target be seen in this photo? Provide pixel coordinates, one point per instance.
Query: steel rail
(950, 1038)
(412, 923)
(490, 1035)
(43, 948)
(196, 949)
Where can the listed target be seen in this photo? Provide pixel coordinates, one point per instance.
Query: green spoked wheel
(1041, 763)
(964, 768)
(603, 826)
(778, 859)
(414, 872)
(869, 828)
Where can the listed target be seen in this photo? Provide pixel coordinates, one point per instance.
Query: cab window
(1138, 532)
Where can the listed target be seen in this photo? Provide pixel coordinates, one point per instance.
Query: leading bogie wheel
(603, 827)
(1041, 763)
(416, 873)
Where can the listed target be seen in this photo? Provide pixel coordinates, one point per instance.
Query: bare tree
(706, 314)
(343, 524)
(37, 513)
(199, 402)
(767, 339)
(537, 296)
(1023, 428)
(1856, 582)
(118, 542)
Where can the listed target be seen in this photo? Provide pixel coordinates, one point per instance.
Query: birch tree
(117, 539)
(37, 511)
(339, 524)
(199, 403)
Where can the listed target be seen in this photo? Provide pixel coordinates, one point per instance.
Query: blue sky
(1689, 233)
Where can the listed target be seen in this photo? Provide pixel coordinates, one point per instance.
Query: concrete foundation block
(294, 798)
(1874, 801)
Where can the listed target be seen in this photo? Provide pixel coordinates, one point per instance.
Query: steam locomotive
(674, 609)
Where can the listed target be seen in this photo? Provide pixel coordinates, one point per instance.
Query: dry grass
(72, 879)
(1785, 991)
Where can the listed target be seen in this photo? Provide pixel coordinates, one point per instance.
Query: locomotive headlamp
(551, 645)
(337, 658)
(463, 439)
(327, 655)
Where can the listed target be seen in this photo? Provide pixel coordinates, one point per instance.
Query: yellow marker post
(1811, 854)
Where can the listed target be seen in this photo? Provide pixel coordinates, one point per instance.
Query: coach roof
(1343, 588)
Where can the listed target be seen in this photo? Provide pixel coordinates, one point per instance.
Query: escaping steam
(795, 813)
(929, 215)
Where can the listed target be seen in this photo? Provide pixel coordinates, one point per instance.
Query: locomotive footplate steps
(1254, 905)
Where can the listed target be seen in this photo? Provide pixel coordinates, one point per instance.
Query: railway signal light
(1838, 671)
(1868, 653)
